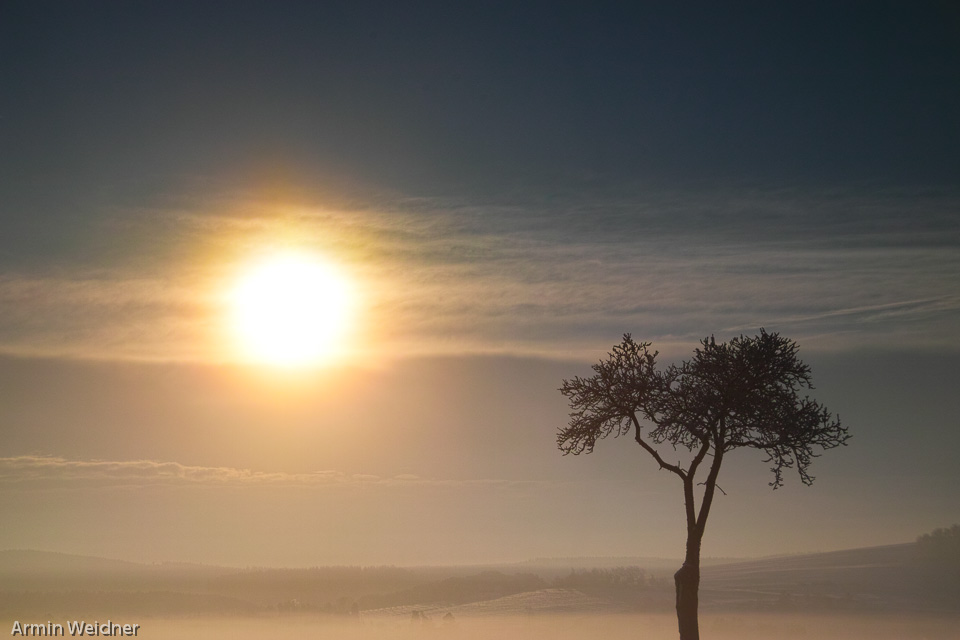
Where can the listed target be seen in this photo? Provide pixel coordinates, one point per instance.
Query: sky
(507, 189)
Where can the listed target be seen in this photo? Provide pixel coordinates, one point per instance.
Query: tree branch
(719, 488)
(653, 452)
(701, 454)
(689, 503)
(710, 486)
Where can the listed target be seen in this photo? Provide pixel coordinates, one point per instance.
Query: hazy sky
(509, 188)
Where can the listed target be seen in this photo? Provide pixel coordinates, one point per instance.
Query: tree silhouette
(744, 393)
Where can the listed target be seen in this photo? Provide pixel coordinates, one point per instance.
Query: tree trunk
(687, 581)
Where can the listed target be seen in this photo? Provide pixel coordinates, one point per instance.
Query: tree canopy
(741, 393)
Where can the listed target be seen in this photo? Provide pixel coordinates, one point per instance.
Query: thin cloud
(52, 472)
(880, 311)
(550, 277)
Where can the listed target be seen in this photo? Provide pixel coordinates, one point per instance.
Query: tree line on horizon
(940, 545)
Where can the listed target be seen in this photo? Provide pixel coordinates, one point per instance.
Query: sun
(291, 310)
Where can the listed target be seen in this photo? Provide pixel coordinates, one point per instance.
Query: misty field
(564, 627)
(895, 592)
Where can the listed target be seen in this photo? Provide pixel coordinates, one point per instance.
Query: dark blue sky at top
(117, 104)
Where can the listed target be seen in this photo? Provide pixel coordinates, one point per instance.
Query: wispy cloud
(879, 312)
(556, 276)
(52, 472)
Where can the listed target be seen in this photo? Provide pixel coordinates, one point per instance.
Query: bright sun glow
(291, 310)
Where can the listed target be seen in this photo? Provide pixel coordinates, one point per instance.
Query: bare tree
(744, 393)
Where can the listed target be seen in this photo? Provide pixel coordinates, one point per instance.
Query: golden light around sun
(291, 310)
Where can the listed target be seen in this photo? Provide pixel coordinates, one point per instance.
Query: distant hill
(653, 564)
(15, 560)
(887, 578)
(28, 570)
